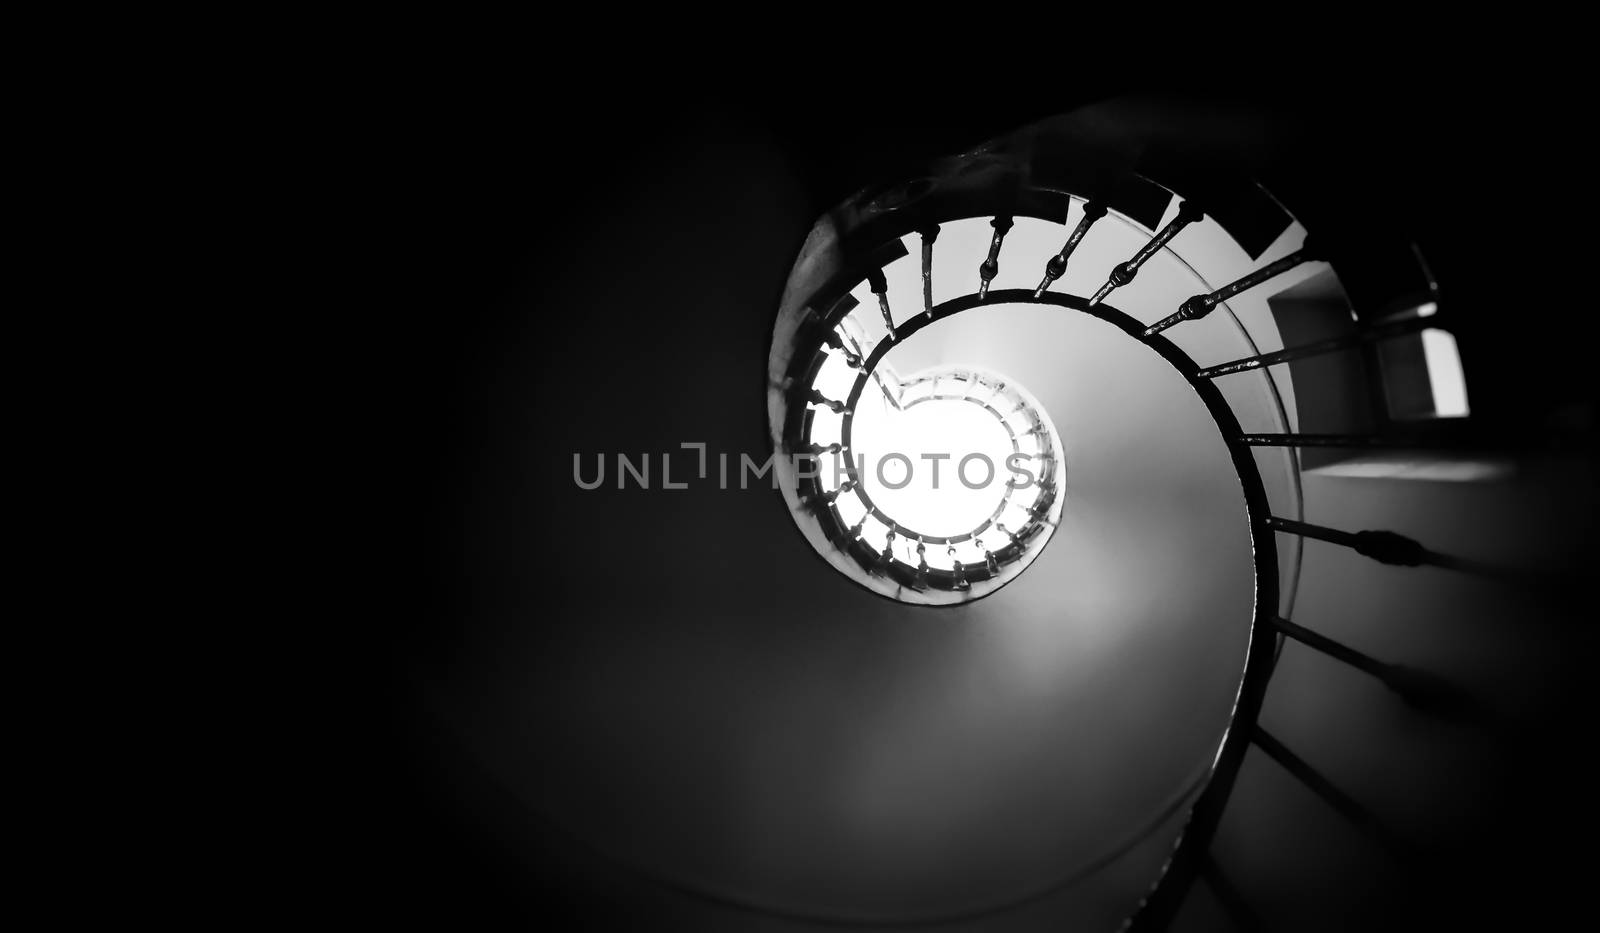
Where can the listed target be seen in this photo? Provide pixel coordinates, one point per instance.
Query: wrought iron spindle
(1124, 273)
(1057, 266)
(880, 286)
(1333, 440)
(1509, 441)
(1386, 547)
(992, 397)
(989, 560)
(844, 487)
(1346, 805)
(836, 407)
(991, 266)
(1200, 305)
(928, 234)
(1331, 345)
(851, 357)
(959, 569)
(1419, 689)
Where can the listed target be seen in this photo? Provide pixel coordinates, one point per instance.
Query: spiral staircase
(1202, 684)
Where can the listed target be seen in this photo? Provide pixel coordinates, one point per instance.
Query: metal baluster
(1382, 546)
(820, 399)
(1057, 266)
(1124, 273)
(960, 571)
(1324, 788)
(1200, 305)
(1331, 345)
(991, 266)
(851, 358)
(1521, 440)
(880, 287)
(1417, 688)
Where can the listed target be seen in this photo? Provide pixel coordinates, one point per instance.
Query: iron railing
(1190, 858)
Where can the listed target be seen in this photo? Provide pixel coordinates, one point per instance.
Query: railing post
(1419, 689)
(1331, 345)
(879, 286)
(991, 266)
(1124, 273)
(1200, 305)
(1343, 803)
(928, 234)
(1382, 546)
(1057, 266)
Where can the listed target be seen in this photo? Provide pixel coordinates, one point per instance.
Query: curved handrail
(1188, 860)
(1158, 907)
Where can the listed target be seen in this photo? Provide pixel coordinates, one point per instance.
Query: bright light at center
(922, 449)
